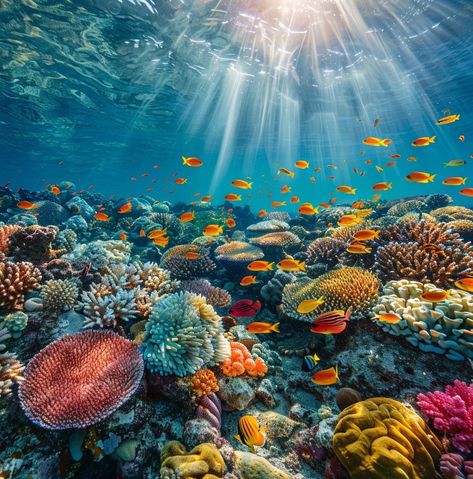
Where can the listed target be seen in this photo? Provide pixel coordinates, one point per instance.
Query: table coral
(237, 255)
(451, 413)
(447, 329)
(241, 361)
(16, 279)
(380, 438)
(89, 374)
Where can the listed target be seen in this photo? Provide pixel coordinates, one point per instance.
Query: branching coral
(451, 413)
(446, 329)
(32, 243)
(452, 466)
(343, 288)
(183, 334)
(217, 297)
(204, 382)
(59, 295)
(16, 279)
(241, 361)
(79, 380)
(15, 323)
(181, 266)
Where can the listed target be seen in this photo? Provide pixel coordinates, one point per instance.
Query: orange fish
(420, 177)
(277, 204)
(156, 234)
(123, 236)
(126, 208)
(358, 204)
(366, 235)
(388, 318)
(55, 190)
(231, 223)
(244, 185)
(308, 209)
(248, 280)
(186, 217)
(206, 198)
(142, 233)
(290, 264)
(346, 189)
(390, 163)
(466, 284)
(161, 241)
(435, 296)
(348, 220)
(232, 197)
(213, 230)
(461, 138)
(286, 172)
(102, 216)
(302, 164)
(424, 141)
(180, 181)
(411, 158)
(332, 322)
(295, 199)
(358, 248)
(382, 186)
(285, 189)
(262, 328)
(373, 141)
(260, 266)
(325, 205)
(261, 213)
(326, 377)
(467, 192)
(192, 161)
(395, 156)
(26, 205)
(454, 181)
(192, 255)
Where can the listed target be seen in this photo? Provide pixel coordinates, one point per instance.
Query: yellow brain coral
(380, 438)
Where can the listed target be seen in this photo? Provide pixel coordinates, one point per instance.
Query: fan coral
(59, 295)
(181, 267)
(268, 226)
(210, 409)
(343, 288)
(217, 297)
(237, 255)
(204, 382)
(183, 334)
(16, 279)
(452, 465)
(32, 243)
(241, 362)
(447, 329)
(380, 437)
(451, 413)
(15, 323)
(279, 239)
(325, 250)
(5, 232)
(88, 374)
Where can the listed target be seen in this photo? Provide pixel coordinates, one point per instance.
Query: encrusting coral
(16, 279)
(89, 374)
(241, 361)
(59, 295)
(380, 438)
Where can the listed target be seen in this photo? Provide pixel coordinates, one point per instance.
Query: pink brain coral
(80, 379)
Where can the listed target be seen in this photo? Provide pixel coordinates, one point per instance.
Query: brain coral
(237, 254)
(182, 267)
(80, 379)
(59, 294)
(447, 329)
(183, 334)
(16, 279)
(343, 288)
(380, 438)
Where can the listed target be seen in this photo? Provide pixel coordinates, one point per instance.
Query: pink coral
(452, 466)
(452, 413)
(241, 361)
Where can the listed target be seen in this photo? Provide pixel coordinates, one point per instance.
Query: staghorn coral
(446, 329)
(15, 323)
(59, 295)
(89, 374)
(268, 226)
(202, 462)
(204, 382)
(182, 335)
(325, 250)
(5, 232)
(181, 267)
(451, 413)
(380, 438)
(343, 288)
(241, 361)
(217, 297)
(16, 279)
(237, 255)
(32, 243)
(279, 239)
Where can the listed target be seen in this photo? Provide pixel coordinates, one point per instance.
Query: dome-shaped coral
(278, 239)
(237, 255)
(217, 297)
(59, 295)
(181, 266)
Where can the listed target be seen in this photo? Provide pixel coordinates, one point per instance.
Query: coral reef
(15, 323)
(210, 409)
(237, 255)
(5, 232)
(10, 368)
(280, 239)
(32, 244)
(204, 382)
(59, 295)
(16, 279)
(452, 466)
(268, 226)
(252, 466)
(176, 260)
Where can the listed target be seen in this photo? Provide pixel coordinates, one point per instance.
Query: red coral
(16, 279)
(80, 379)
(241, 361)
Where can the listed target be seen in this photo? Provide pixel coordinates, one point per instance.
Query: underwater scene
(236, 239)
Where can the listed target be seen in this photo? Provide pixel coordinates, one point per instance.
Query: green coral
(15, 323)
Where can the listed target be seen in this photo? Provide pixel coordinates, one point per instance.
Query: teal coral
(15, 323)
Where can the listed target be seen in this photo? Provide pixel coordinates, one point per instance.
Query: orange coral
(5, 232)
(241, 361)
(204, 382)
(16, 279)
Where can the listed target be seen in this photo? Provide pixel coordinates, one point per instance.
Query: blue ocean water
(100, 91)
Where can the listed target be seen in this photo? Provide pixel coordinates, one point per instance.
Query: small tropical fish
(192, 161)
(244, 185)
(366, 235)
(126, 208)
(390, 163)
(302, 164)
(358, 204)
(250, 433)
(325, 205)
(467, 192)
(346, 189)
(376, 122)
(261, 213)
(454, 181)
(245, 308)
(192, 255)
(308, 305)
(461, 138)
(309, 363)
(376, 197)
(423, 141)
(186, 217)
(162, 241)
(455, 163)
(388, 318)
(248, 280)
(55, 190)
(263, 328)
(466, 284)
(333, 167)
(326, 377)
(285, 189)
(102, 216)
(231, 223)
(312, 179)
(395, 156)
(436, 296)
(447, 119)
(308, 209)
(382, 186)
(26, 205)
(213, 230)
(332, 322)
(411, 158)
(295, 199)
(289, 264)
(379, 168)
(286, 172)
(206, 198)
(358, 248)
(180, 181)
(232, 197)
(123, 236)
(373, 141)
(260, 266)
(142, 233)
(420, 177)
(156, 233)
(277, 204)
(349, 220)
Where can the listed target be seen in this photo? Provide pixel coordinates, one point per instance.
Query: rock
(236, 393)
(78, 206)
(51, 213)
(32, 305)
(265, 393)
(198, 431)
(252, 466)
(126, 451)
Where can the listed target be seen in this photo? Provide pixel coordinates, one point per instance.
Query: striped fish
(250, 432)
(333, 322)
(309, 363)
(245, 307)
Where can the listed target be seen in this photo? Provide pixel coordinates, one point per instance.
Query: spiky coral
(183, 334)
(343, 288)
(217, 297)
(16, 279)
(181, 267)
(241, 361)
(204, 382)
(452, 413)
(59, 295)
(5, 232)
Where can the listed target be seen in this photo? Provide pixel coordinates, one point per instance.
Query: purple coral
(210, 409)
(452, 466)
(215, 296)
(452, 413)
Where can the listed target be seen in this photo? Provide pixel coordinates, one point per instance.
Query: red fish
(333, 322)
(245, 308)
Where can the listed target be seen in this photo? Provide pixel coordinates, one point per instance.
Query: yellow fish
(309, 305)
(289, 264)
(286, 172)
(302, 164)
(250, 433)
(346, 189)
(244, 185)
(447, 119)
